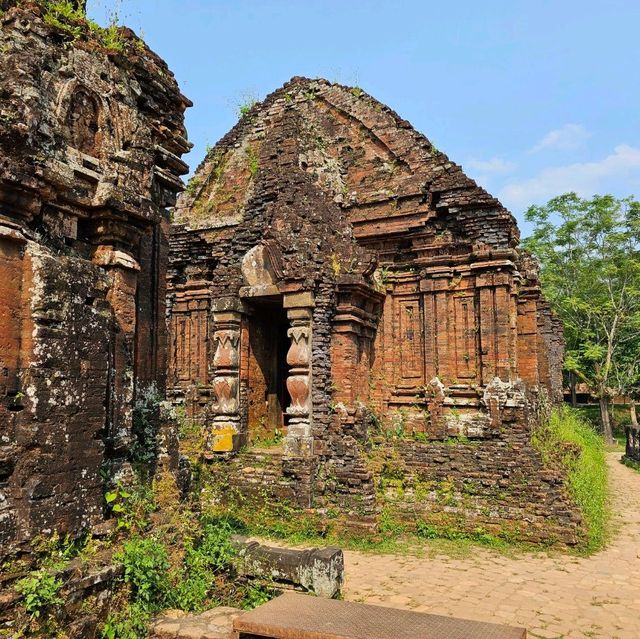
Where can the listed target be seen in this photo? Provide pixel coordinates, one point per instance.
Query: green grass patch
(572, 441)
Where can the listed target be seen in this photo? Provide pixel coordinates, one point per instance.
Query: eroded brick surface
(90, 141)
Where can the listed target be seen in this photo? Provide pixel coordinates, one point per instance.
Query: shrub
(216, 543)
(572, 441)
(40, 590)
(146, 566)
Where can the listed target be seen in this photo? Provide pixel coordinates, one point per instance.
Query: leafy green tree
(589, 252)
(627, 369)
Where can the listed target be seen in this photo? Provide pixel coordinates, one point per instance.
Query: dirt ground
(553, 596)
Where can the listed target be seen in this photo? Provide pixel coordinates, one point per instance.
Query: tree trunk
(572, 384)
(634, 416)
(605, 420)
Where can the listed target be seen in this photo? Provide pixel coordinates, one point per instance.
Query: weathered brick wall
(285, 209)
(89, 160)
(499, 487)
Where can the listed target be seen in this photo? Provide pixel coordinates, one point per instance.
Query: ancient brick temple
(90, 145)
(334, 276)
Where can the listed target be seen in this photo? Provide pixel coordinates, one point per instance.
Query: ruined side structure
(90, 146)
(335, 277)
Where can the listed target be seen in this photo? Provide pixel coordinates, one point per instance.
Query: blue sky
(533, 98)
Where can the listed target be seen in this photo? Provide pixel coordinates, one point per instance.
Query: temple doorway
(267, 394)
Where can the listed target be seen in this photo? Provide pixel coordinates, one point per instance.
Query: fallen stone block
(317, 570)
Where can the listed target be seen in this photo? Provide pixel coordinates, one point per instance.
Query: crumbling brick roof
(364, 160)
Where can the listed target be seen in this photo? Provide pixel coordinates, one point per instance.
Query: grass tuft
(573, 441)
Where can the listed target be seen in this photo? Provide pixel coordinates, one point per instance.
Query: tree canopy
(589, 252)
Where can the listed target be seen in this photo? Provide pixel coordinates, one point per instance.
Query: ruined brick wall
(499, 487)
(90, 141)
(426, 317)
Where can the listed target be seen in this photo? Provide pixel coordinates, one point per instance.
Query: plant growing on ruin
(336, 264)
(353, 263)
(40, 591)
(70, 18)
(566, 438)
(63, 15)
(193, 185)
(253, 162)
(247, 102)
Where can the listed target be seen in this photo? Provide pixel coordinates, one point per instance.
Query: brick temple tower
(332, 273)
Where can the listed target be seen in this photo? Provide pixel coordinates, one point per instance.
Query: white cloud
(493, 166)
(585, 178)
(567, 137)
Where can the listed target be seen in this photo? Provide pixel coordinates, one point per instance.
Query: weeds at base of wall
(266, 515)
(171, 556)
(566, 438)
(583, 459)
(440, 534)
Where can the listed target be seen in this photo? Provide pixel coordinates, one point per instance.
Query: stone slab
(317, 570)
(294, 616)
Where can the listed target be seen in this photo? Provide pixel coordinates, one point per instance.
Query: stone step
(216, 623)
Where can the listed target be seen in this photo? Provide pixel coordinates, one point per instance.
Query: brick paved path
(556, 596)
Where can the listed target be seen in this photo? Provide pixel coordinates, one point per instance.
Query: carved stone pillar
(224, 435)
(123, 272)
(299, 440)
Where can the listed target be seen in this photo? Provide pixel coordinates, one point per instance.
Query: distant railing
(633, 443)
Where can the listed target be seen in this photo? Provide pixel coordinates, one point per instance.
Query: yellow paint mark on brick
(222, 440)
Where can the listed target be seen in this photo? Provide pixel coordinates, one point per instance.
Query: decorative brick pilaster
(299, 441)
(224, 434)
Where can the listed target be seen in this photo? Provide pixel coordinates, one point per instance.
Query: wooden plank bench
(296, 616)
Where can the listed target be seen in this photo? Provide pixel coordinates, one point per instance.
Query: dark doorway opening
(268, 397)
